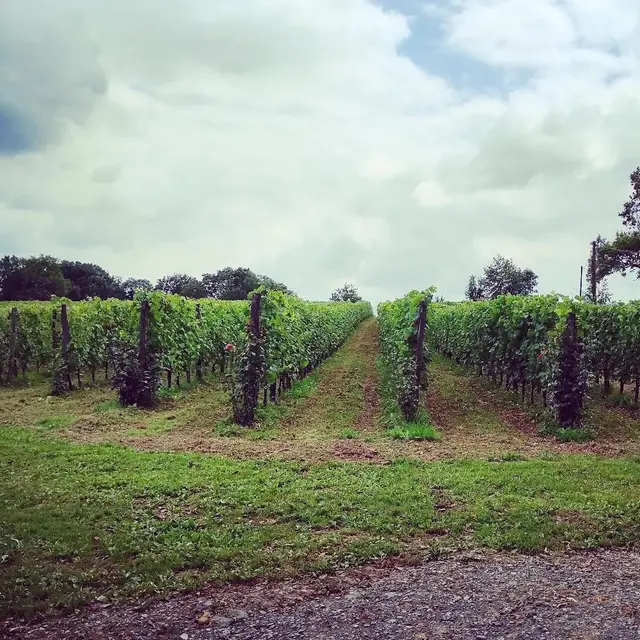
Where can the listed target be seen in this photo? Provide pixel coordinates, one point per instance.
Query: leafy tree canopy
(183, 285)
(131, 285)
(90, 281)
(500, 278)
(35, 278)
(622, 254)
(237, 284)
(346, 293)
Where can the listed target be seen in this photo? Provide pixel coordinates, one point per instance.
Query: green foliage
(500, 278)
(300, 335)
(34, 278)
(523, 342)
(346, 293)
(572, 435)
(249, 373)
(237, 284)
(137, 382)
(622, 254)
(349, 434)
(183, 285)
(295, 337)
(90, 281)
(406, 369)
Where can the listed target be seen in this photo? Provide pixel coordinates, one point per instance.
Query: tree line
(42, 277)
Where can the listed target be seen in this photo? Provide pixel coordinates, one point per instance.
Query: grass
(412, 431)
(56, 422)
(82, 521)
(572, 435)
(349, 434)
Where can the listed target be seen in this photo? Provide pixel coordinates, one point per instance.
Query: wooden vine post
(199, 360)
(144, 333)
(12, 368)
(421, 330)
(568, 392)
(250, 369)
(66, 345)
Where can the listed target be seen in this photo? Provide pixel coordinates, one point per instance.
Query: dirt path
(593, 595)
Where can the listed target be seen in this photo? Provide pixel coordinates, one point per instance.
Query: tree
(34, 278)
(183, 285)
(473, 292)
(622, 254)
(131, 285)
(237, 284)
(346, 293)
(602, 293)
(90, 281)
(500, 278)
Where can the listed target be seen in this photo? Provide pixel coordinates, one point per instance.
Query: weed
(229, 430)
(109, 405)
(56, 422)
(349, 434)
(572, 435)
(621, 400)
(508, 456)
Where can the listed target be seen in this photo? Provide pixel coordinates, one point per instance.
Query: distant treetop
(500, 278)
(346, 293)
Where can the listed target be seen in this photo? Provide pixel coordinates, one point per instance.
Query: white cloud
(294, 138)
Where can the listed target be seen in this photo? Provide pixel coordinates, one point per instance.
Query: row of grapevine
(135, 341)
(286, 339)
(186, 332)
(545, 345)
(403, 347)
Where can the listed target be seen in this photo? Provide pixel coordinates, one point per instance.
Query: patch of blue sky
(428, 48)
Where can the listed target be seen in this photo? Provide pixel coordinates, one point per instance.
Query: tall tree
(473, 292)
(237, 284)
(183, 285)
(346, 293)
(34, 278)
(131, 285)
(500, 278)
(90, 281)
(622, 254)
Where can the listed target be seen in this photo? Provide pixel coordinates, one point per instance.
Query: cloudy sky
(394, 144)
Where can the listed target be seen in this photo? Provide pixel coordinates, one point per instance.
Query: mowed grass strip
(84, 521)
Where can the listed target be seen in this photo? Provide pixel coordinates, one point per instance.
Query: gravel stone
(586, 596)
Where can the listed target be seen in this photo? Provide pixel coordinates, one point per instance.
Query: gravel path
(494, 597)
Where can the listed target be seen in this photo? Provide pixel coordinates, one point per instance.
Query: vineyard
(152, 445)
(160, 339)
